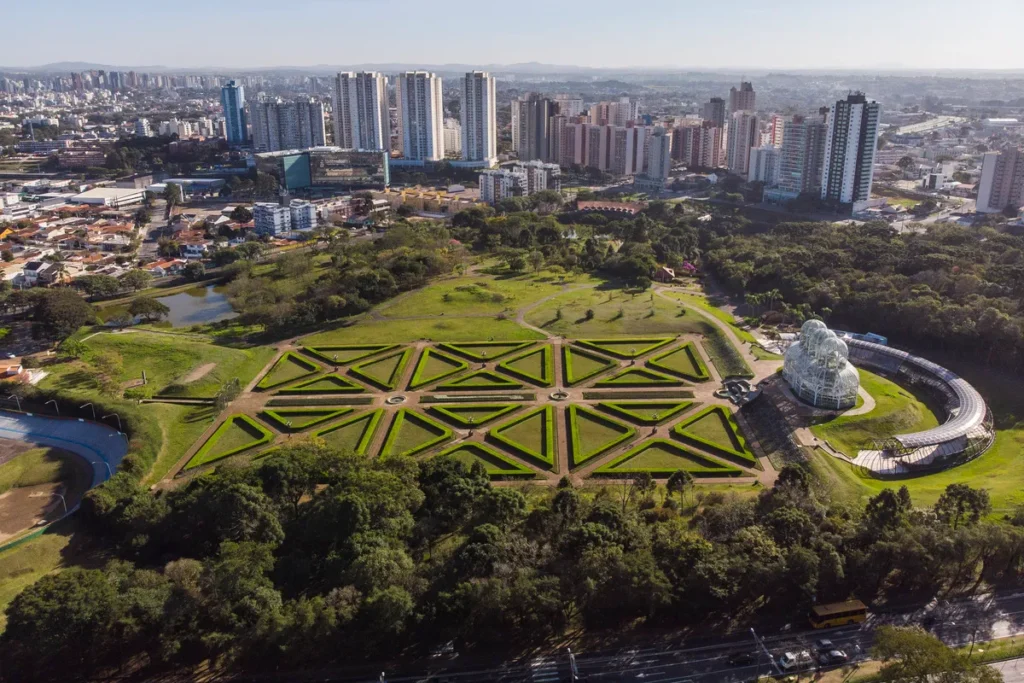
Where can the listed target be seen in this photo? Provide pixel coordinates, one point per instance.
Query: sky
(709, 34)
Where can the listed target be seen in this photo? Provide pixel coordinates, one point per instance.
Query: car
(832, 657)
(742, 659)
(823, 645)
(445, 650)
(794, 660)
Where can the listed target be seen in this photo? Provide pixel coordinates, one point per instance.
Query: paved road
(1012, 670)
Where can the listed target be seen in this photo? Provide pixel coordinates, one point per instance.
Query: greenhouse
(818, 369)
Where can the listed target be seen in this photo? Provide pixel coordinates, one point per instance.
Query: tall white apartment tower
(479, 118)
(421, 116)
(744, 135)
(361, 111)
(850, 145)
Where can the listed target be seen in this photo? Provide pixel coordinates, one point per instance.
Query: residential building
(279, 125)
(742, 99)
(531, 127)
(569, 105)
(801, 158)
(714, 111)
(271, 218)
(302, 215)
(361, 119)
(479, 118)
(1002, 181)
(777, 131)
(540, 176)
(142, 129)
(659, 163)
(496, 185)
(850, 145)
(712, 154)
(627, 150)
(232, 101)
(764, 165)
(744, 135)
(453, 138)
(420, 116)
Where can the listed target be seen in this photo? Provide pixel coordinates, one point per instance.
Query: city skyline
(805, 36)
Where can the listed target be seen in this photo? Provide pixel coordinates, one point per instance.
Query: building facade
(420, 116)
(850, 145)
(744, 135)
(271, 219)
(1002, 181)
(452, 138)
(479, 118)
(742, 99)
(232, 101)
(361, 119)
(764, 165)
(531, 127)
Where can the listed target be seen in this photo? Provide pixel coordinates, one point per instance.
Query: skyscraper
(1002, 181)
(764, 165)
(744, 134)
(479, 118)
(850, 145)
(802, 156)
(742, 99)
(279, 125)
(714, 111)
(531, 128)
(232, 100)
(361, 111)
(420, 116)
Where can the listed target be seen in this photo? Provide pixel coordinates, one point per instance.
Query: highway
(958, 623)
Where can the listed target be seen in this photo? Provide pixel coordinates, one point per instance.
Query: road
(1012, 670)
(930, 124)
(985, 617)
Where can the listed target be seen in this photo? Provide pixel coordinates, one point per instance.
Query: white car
(794, 660)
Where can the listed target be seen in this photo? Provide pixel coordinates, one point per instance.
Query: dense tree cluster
(313, 557)
(947, 288)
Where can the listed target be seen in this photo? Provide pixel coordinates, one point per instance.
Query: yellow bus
(838, 614)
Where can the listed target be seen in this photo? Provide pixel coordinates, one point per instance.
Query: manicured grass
(723, 354)
(625, 349)
(684, 361)
(479, 380)
(715, 428)
(385, 372)
(484, 351)
(700, 302)
(299, 419)
(897, 411)
(579, 365)
(638, 377)
(411, 433)
(761, 354)
(531, 435)
(345, 354)
(166, 359)
(475, 414)
(536, 366)
(435, 329)
(646, 412)
(593, 433)
(236, 434)
(615, 314)
(180, 425)
(288, 368)
(35, 466)
(433, 366)
(353, 434)
(326, 384)
(661, 458)
(498, 466)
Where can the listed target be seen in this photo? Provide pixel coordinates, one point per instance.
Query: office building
(531, 127)
(232, 101)
(142, 129)
(479, 118)
(271, 219)
(1002, 181)
(279, 125)
(452, 138)
(744, 135)
(764, 165)
(850, 145)
(327, 167)
(361, 119)
(742, 99)
(801, 158)
(420, 116)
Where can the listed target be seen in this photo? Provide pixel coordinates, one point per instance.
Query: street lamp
(90, 406)
(63, 501)
(17, 399)
(55, 406)
(114, 415)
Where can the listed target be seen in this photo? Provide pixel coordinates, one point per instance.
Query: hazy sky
(978, 34)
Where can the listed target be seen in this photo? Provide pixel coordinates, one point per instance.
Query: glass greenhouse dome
(818, 369)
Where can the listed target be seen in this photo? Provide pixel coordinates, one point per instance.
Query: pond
(198, 306)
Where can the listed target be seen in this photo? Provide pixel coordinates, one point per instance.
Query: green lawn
(532, 435)
(647, 412)
(593, 434)
(582, 365)
(181, 426)
(713, 427)
(288, 368)
(639, 377)
(384, 372)
(433, 366)
(481, 379)
(683, 360)
(723, 354)
(36, 466)
(473, 415)
(616, 313)
(236, 434)
(24, 564)
(352, 435)
(700, 302)
(897, 411)
(438, 329)
(536, 366)
(167, 360)
(495, 463)
(661, 458)
(326, 384)
(412, 433)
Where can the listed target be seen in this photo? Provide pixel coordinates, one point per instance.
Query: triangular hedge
(343, 354)
(684, 361)
(288, 368)
(433, 366)
(384, 373)
(325, 385)
(638, 377)
(355, 433)
(473, 415)
(660, 458)
(479, 380)
(625, 349)
(646, 412)
(579, 365)
(484, 351)
(715, 428)
(298, 419)
(515, 436)
(536, 366)
(406, 427)
(498, 465)
(593, 433)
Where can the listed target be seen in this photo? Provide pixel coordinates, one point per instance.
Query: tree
(136, 279)
(679, 482)
(194, 271)
(241, 214)
(960, 504)
(251, 251)
(906, 163)
(100, 286)
(59, 312)
(536, 259)
(148, 308)
(141, 217)
(916, 656)
(172, 195)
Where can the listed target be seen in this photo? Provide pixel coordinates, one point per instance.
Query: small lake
(198, 306)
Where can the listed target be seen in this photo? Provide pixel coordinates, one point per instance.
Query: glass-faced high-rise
(232, 100)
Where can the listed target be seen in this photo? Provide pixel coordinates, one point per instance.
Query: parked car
(794, 660)
(741, 659)
(823, 645)
(833, 657)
